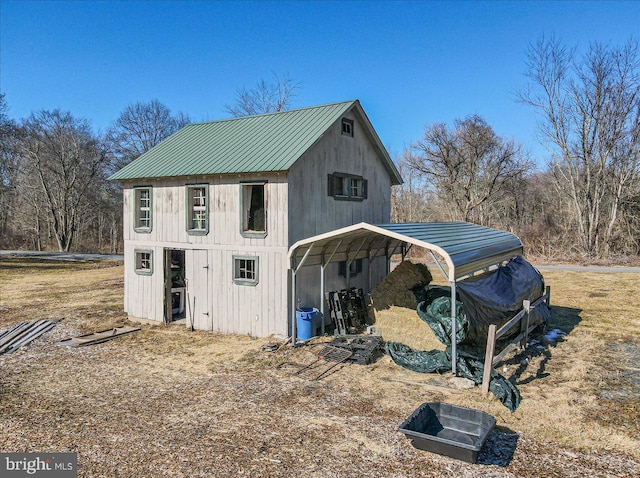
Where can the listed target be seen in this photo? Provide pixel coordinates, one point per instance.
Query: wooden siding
(312, 211)
(228, 307)
(170, 211)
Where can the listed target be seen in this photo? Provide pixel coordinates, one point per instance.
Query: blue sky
(409, 63)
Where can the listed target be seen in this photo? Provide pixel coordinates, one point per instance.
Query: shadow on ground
(499, 448)
(563, 318)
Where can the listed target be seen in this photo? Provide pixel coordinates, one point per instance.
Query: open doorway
(174, 280)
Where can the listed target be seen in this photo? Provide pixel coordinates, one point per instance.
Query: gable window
(198, 209)
(142, 212)
(253, 209)
(347, 127)
(245, 270)
(144, 262)
(347, 187)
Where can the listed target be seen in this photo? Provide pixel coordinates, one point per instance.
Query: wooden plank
(498, 358)
(488, 358)
(33, 334)
(511, 346)
(14, 332)
(502, 330)
(97, 337)
(22, 333)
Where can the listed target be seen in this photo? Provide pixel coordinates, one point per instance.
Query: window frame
(247, 232)
(237, 270)
(137, 209)
(355, 268)
(346, 127)
(139, 270)
(347, 187)
(190, 209)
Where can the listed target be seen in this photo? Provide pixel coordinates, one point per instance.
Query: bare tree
(266, 97)
(10, 162)
(468, 166)
(140, 127)
(590, 121)
(411, 200)
(64, 159)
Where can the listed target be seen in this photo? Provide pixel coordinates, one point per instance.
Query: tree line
(54, 192)
(54, 169)
(585, 202)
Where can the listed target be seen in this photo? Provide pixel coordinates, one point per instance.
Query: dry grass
(168, 402)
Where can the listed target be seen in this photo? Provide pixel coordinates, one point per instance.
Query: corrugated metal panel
(467, 248)
(470, 247)
(262, 143)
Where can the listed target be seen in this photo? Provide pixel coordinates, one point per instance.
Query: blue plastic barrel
(306, 322)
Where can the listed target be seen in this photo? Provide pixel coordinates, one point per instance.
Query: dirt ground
(169, 402)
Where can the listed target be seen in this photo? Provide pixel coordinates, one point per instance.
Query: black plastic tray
(448, 430)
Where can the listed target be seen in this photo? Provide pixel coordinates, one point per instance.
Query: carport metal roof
(466, 248)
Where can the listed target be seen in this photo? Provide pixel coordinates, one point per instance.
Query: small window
(143, 209)
(347, 127)
(197, 209)
(254, 210)
(144, 262)
(245, 270)
(354, 269)
(347, 187)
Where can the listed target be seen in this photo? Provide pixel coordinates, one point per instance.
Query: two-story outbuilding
(211, 212)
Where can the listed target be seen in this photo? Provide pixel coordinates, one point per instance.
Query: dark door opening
(175, 288)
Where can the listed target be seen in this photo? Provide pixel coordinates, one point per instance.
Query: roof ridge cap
(273, 113)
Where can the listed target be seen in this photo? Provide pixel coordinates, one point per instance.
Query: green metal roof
(261, 143)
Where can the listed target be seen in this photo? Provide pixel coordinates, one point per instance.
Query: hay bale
(397, 288)
(399, 324)
(395, 305)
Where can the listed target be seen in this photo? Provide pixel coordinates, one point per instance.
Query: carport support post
(454, 345)
(295, 268)
(293, 306)
(322, 267)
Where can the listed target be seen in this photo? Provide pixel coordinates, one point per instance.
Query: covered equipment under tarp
(491, 298)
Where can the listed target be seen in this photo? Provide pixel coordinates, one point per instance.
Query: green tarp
(468, 366)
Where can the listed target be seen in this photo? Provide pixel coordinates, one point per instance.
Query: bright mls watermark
(37, 465)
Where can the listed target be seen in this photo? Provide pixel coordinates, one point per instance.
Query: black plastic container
(448, 430)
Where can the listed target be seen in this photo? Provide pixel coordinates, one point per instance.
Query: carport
(459, 249)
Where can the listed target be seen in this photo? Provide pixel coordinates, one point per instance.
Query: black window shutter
(330, 185)
(364, 189)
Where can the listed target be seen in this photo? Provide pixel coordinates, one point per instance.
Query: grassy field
(168, 402)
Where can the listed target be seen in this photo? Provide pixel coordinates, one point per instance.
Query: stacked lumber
(24, 333)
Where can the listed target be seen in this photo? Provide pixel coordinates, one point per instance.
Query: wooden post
(488, 358)
(524, 327)
(548, 294)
